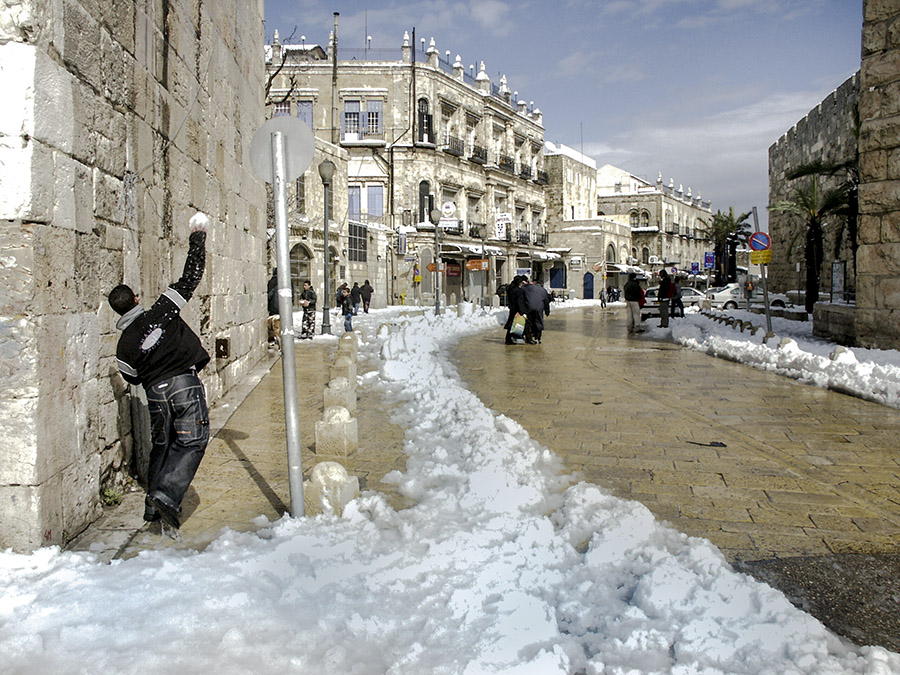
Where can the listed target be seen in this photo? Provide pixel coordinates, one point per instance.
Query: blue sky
(695, 89)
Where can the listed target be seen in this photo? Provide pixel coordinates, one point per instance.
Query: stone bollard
(344, 366)
(337, 435)
(769, 336)
(329, 489)
(340, 392)
(465, 309)
(787, 343)
(349, 343)
(453, 298)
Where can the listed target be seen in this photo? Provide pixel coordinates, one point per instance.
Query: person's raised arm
(195, 262)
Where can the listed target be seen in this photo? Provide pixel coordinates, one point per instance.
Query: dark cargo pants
(179, 423)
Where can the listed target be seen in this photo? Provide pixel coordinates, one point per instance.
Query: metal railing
(455, 146)
(506, 163)
(478, 154)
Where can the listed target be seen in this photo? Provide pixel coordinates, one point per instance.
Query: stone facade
(878, 257)
(420, 132)
(120, 120)
(826, 135)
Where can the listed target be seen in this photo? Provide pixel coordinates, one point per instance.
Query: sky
(504, 564)
(695, 89)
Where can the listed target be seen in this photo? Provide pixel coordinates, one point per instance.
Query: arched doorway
(558, 275)
(588, 286)
(301, 258)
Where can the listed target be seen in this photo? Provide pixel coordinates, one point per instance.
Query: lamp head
(326, 171)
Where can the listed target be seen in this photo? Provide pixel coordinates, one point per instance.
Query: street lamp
(326, 172)
(435, 215)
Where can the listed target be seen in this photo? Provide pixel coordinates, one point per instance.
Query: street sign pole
(762, 274)
(281, 150)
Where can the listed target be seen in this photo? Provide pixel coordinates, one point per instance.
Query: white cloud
(493, 16)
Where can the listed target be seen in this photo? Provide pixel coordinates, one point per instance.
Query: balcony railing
(541, 238)
(523, 237)
(477, 230)
(525, 172)
(478, 155)
(506, 163)
(455, 146)
(542, 178)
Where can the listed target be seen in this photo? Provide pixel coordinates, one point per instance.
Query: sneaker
(151, 515)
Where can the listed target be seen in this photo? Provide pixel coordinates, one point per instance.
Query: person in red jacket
(158, 350)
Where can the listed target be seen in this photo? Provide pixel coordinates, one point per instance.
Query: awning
(540, 255)
(494, 250)
(625, 269)
(559, 250)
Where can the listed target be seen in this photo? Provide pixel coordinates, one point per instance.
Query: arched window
(633, 217)
(611, 253)
(425, 119)
(645, 218)
(300, 270)
(645, 255)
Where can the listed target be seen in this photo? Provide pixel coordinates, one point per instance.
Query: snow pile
(503, 566)
(794, 352)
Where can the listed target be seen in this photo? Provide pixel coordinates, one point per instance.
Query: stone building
(119, 121)
(594, 250)
(829, 133)
(420, 133)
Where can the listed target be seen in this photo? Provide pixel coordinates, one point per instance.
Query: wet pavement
(796, 485)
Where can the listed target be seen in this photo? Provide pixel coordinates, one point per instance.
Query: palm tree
(815, 204)
(725, 231)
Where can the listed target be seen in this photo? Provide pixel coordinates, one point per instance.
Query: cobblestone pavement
(797, 485)
(791, 482)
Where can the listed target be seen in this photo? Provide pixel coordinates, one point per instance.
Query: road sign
(760, 241)
(430, 267)
(761, 257)
(476, 265)
(695, 268)
(448, 209)
(709, 260)
(674, 271)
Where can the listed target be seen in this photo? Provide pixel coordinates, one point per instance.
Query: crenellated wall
(119, 121)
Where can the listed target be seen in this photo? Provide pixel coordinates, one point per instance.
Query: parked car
(734, 296)
(690, 296)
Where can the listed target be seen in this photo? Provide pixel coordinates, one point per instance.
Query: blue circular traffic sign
(760, 241)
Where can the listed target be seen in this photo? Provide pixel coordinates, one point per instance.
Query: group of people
(529, 300)
(668, 294)
(349, 300)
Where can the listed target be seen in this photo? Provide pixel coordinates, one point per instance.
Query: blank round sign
(299, 146)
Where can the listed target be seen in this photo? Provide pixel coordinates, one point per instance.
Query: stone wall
(119, 121)
(878, 297)
(827, 135)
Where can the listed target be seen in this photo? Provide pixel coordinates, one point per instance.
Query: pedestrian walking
(308, 303)
(338, 293)
(537, 305)
(664, 294)
(515, 301)
(366, 291)
(355, 297)
(634, 295)
(677, 303)
(158, 350)
(347, 308)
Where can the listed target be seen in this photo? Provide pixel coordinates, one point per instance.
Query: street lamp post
(435, 215)
(326, 172)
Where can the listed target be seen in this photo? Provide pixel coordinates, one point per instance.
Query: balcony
(477, 230)
(506, 163)
(455, 146)
(525, 172)
(541, 239)
(523, 237)
(542, 178)
(478, 155)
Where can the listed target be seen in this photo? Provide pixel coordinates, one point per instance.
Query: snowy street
(505, 564)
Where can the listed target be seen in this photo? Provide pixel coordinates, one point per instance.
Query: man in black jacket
(308, 302)
(158, 350)
(537, 304)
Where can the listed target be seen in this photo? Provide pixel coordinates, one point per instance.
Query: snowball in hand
(199, 221)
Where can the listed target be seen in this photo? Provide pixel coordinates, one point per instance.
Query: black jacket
(309, 294)
(355, 294)
(157, 344)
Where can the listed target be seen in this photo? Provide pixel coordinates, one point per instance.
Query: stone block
(340, 392)
(344, 366)
(329, 489)
(349, 344)
(337, 435)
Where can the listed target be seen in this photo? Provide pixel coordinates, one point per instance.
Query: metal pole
(437, 263)
(286, 312)
(483, 272)
(762, 274)
(326, 317)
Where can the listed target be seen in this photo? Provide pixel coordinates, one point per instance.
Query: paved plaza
(790, 481)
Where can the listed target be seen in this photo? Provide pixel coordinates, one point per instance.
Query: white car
(690, 297)
(734, 296)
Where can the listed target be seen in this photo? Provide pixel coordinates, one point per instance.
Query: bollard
(349, 343)
(329, 489)
(340, 392)
(344, 366)
(337, 435)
